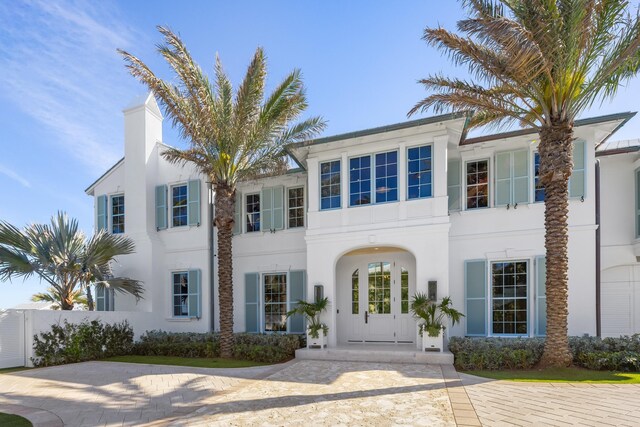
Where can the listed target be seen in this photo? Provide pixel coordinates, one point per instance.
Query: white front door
(374, 299)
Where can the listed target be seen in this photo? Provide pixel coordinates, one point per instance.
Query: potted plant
(431, 315)
(316, 330)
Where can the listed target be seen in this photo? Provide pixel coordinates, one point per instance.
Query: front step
(369, 354)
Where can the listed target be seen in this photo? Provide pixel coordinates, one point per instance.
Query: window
(404, 291)
(360, 181)
(477, 173)
(380, 288)
(419, 172)
(387, 177)
(253, 212)
(275, 302)
(179, 216)
(185, 295)
(538, 187)
(355, 293)
(104, 299)
(117, 214)
(330, 185)
(296, 207)
(509, 282)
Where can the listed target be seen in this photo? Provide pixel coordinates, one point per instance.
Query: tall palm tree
(60, 254)
(52, 295)
(231, 138)
(539, 63)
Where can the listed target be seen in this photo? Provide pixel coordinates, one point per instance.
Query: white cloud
(14, 176)
(58, 64)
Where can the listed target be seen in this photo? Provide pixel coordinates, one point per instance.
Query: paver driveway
(107, 393)
(333, 394)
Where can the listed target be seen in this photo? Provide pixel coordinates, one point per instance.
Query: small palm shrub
(311, 312)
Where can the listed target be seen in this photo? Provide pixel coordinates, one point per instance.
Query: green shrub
(495, 353)
(271, 348)
(614, 354)
(79, 342)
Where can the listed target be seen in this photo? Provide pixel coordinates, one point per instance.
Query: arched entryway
(374, 287)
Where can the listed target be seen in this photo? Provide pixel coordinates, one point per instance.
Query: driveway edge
(463, 410)
(38, 417)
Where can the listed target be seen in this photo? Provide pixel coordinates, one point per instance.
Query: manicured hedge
(271, 348)
(79, 342)
(613, 354)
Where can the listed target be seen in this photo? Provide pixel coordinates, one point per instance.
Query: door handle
(366, 317)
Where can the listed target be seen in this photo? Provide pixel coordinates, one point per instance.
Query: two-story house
(371, 217)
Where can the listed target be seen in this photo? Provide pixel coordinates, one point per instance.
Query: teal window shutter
(637, 202)
(161, 207)
(541, 296)
(266, 209)
(503, 179)
(520, 177)
(237, 215)
(453, 184)
(193, 202)
(297, 288)
(475, 283)
(195, 298)
(252, 302)
(577, 179)
(101, 222)
(277, 208)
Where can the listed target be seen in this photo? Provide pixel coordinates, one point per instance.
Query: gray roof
(618, 147)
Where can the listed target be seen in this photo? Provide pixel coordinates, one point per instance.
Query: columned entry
(374, 291)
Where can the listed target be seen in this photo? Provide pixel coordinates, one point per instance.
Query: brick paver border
(463, 410)
(38, 417)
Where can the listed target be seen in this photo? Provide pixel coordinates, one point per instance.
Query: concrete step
(371, 354)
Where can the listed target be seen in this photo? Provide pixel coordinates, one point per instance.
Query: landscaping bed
(10, 420)
(571, 374)
(194, 362)
(490, 354)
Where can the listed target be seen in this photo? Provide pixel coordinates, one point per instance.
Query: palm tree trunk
(225, 200)
(555, 168)
(90, 305)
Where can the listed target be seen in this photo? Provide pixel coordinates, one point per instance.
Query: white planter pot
(432, 343)
(320, 342)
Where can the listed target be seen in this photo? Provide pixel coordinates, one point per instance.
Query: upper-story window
(253, 212)
(538, 187)
(117, 214)
(419, 179)
(296, 207)
(387, 177)
(179, 214)
(360, 181)
(330, 185)
(477, 174)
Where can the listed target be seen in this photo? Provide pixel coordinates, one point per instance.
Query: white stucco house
(373, 216)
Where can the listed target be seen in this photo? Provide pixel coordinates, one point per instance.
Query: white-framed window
(275, 302)
(185, 290)
(330, 194)
(252, 206)
(105, 299)
(419, 172)
(359, 181)
(509, 294)
(179, 203)
(538, 188)
(117, 214)
(477, 184)
(355, 292)
(295, 207)
(386, 177)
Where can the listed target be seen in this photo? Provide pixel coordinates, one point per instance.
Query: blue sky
(62, 85)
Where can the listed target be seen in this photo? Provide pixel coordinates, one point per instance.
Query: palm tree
(231, 138)
(539, 63)
(60, 254)
(52, 296)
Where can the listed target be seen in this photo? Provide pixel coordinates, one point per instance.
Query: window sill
(182, 319)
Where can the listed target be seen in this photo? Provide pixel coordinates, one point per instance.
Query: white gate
(11, 339)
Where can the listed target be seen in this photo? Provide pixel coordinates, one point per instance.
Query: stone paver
(502, 403)
(334, 393)
(103, 393)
